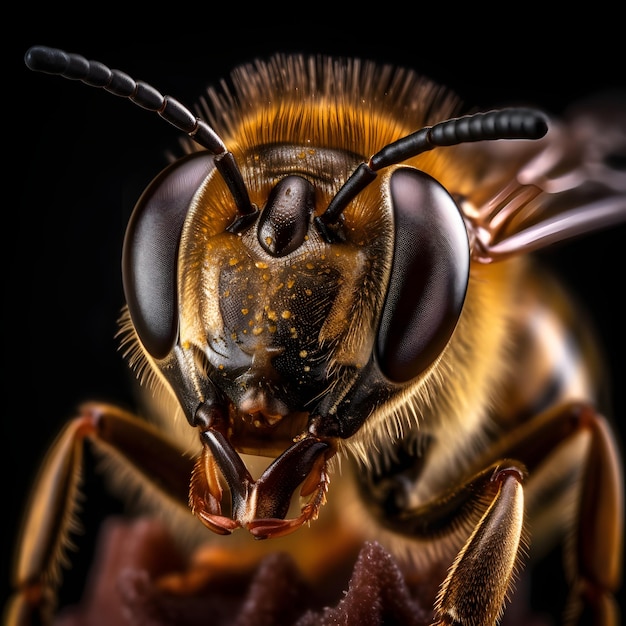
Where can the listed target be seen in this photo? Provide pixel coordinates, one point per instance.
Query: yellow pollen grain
(186, 345)
(290, 283)
(257, 330)
(268, 241)
(303, 353)
(310, 266)
(286, 315)
(245, 311)
(308, 292)
(233, 261)
(262, 265)
(307, 368)
(265, 277)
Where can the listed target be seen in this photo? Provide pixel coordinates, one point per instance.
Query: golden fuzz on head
(351, 104)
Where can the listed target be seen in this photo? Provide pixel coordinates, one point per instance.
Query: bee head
(280, 324)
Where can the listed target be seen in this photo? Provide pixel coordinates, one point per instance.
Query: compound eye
(429, 276)
(150, 253)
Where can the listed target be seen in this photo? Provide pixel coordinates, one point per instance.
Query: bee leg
(51, 513)
(600, 534)
(596, 550)
(475, 590)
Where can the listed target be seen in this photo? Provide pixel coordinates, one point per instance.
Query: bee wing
(534, 194)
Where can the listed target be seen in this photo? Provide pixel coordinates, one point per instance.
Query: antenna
(510, 123)
(95, 74)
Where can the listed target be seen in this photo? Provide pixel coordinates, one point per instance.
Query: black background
(80, 157)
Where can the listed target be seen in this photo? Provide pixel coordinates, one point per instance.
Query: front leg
(594, 546)
(481, 573)
(51, 514)
(481, 521)
(475, 590)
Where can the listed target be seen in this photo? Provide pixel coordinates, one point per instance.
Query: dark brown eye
(429, 276)
(150, 252)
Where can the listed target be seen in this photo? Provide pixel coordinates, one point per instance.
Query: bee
(349, 353)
